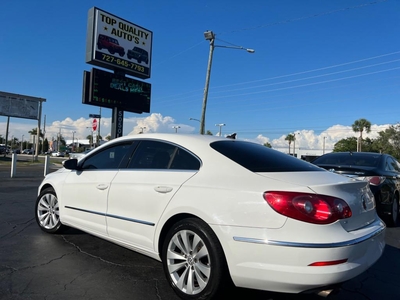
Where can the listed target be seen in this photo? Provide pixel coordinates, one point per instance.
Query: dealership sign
(106, 89)
(20, 106)
(114, 43)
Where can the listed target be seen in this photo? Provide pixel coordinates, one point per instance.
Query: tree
(45, 145)
(209, 132)
(290, 138)
(359, 126)
(267, 145)
(90, 138)
(345, 145)
(98, 139)
(33, 131)
(388, 141)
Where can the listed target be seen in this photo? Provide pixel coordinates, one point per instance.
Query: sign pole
(117, 125)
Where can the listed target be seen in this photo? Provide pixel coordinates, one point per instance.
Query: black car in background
(381, 170)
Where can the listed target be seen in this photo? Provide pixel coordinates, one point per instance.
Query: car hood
(357, 194)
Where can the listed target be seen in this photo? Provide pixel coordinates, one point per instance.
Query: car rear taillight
(375, 180)
(310, 208)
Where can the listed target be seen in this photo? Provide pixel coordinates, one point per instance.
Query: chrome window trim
(311, 245)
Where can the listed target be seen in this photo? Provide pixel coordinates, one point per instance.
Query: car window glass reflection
(109, 158)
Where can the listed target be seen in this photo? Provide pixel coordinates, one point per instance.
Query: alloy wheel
(48, 211)
(188, 262)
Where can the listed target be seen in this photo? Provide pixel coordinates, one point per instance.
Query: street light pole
(73, 141)
(210, 36)
(176, 128)
(220, 126)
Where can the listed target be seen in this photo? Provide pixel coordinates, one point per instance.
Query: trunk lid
(357, 194)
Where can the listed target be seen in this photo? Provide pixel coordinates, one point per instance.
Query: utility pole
(209, 35)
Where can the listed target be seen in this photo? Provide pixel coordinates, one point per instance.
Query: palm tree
(90, 138)
(359, 126)
(290, 138)
(34, 132)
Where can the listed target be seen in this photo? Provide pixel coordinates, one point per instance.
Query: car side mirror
(71, 164)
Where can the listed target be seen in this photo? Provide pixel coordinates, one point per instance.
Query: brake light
(375, 180)
(310, 208)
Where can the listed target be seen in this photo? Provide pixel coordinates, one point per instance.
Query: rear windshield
(349, 159)
(258, 158)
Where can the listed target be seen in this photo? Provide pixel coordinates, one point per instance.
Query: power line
(309, 84)
(304, 18)
(312, 77)
(278, 77)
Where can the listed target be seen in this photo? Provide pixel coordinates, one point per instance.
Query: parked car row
(79, 155)
(215, 211)
(27, 151)
(4, 150)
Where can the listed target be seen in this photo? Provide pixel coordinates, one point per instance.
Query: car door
(140, 193)
(86, 190)
(393, 167)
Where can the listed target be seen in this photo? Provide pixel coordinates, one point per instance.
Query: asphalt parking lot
(75, 265)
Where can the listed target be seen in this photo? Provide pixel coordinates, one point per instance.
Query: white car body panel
(285, 268)
(137, 199)
(92, 186)
(264, 250)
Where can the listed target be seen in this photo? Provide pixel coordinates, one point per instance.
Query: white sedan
(217, 211)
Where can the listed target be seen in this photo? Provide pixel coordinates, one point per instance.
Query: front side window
(109, 158)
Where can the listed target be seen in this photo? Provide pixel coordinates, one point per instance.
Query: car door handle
(163, 189)
(102, 186)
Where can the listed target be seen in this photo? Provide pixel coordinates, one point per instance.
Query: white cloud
(309, 140)
(306, 140)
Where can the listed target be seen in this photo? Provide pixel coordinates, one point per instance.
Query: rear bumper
(283, 266)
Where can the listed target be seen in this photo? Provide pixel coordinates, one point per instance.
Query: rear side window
(160, 155)
(258, 158)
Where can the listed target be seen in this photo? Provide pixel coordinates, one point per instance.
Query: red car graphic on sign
(111, 44)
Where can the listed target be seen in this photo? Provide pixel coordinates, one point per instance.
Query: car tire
(393, 217)
(194, 262)
(47, 212)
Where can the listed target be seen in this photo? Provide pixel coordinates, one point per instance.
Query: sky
(318, 66)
